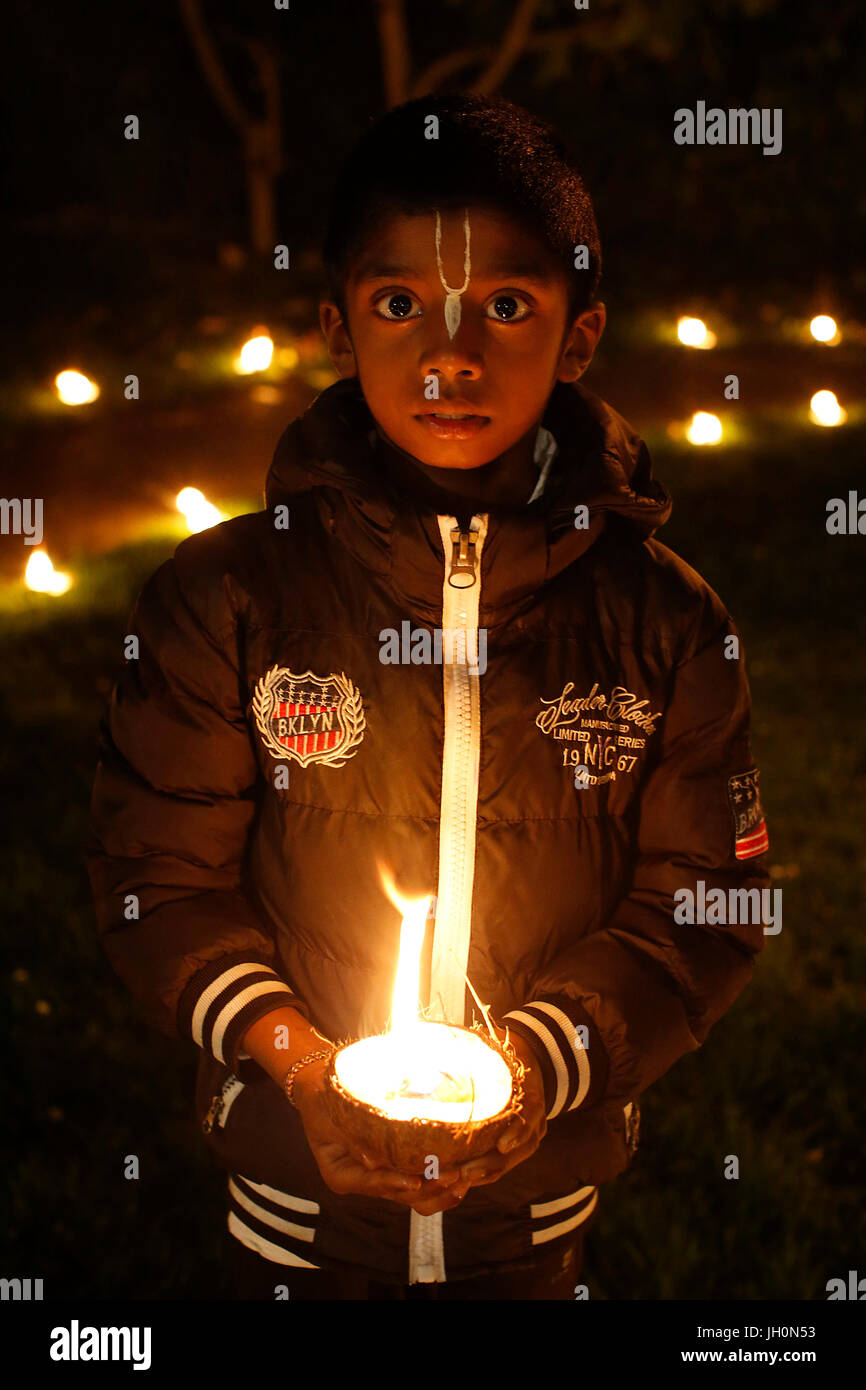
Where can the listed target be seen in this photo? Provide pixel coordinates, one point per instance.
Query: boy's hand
(345, 1168)
(518, 1142)
(524, 1134)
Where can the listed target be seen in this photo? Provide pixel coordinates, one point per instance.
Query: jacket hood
(330, 453)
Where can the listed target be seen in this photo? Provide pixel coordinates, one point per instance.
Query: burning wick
(452, 296)
(418, 1068)
(422, 1077)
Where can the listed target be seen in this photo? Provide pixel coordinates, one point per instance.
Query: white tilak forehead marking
(452, 296)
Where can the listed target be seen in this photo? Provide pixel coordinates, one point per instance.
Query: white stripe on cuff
(577, 1048)
(549, 1043)
(216, 988)
(539, 1237)
(266, 1248)
(234, 1006)
(278, 1223)
(284, 1199)
(560, 1203)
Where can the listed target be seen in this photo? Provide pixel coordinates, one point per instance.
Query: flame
(418, 1069)
(448, 1074)
(704, 428)
(199, 512)
(256, 354)
(74, 388)
(694, 333)
(414, 911)
(825, 330)
(824, 409)
(41, 576)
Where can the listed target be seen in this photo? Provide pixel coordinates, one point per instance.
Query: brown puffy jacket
(555, 781)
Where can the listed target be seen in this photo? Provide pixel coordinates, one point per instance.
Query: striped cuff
(574, 1064)
(221, 1002)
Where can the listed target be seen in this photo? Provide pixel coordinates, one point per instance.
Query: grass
(779, 1083)
(86, 1085)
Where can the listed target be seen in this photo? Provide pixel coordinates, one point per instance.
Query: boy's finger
(343, 1163)
(388, 1178)
(445, 1202)
(382, 1184)
(482, 1169)
(511, 1137)
(491, 1166)
(446, 1176)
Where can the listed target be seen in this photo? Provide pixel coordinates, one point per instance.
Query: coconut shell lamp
(423, 1088)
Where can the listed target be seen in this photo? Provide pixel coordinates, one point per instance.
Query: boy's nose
(453, 362)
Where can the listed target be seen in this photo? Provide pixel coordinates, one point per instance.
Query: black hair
(489, 152)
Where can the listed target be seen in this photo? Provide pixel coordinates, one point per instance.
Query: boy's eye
(397, 305)
(506, 308)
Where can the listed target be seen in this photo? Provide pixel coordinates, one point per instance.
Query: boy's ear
(580, 342)
(338, 340)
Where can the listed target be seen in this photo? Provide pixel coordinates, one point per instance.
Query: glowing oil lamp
(423, 1088)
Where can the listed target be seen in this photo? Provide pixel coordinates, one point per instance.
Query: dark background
(142, 257)
(134, 228)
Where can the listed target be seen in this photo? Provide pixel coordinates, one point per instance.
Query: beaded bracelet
(289, 1078)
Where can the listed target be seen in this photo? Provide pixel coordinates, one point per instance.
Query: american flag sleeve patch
(750, 827)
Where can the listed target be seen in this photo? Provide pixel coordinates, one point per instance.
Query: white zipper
(461, 685)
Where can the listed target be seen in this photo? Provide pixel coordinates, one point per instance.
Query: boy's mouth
(453, 425)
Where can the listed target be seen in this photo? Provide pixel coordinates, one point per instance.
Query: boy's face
(513, 342)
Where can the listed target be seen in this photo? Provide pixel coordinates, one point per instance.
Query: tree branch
(210, 64)
(443, 68)
(394, 49)
(512, 45)
(270, 128)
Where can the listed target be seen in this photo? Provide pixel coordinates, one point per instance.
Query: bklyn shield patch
(750, 829)
(313, 719)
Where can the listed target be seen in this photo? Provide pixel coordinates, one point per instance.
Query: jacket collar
(331, 452)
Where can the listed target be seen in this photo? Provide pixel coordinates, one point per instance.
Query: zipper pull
(214, 1113)
(464, 561)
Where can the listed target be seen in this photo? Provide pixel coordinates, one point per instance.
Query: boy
(286, 738)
